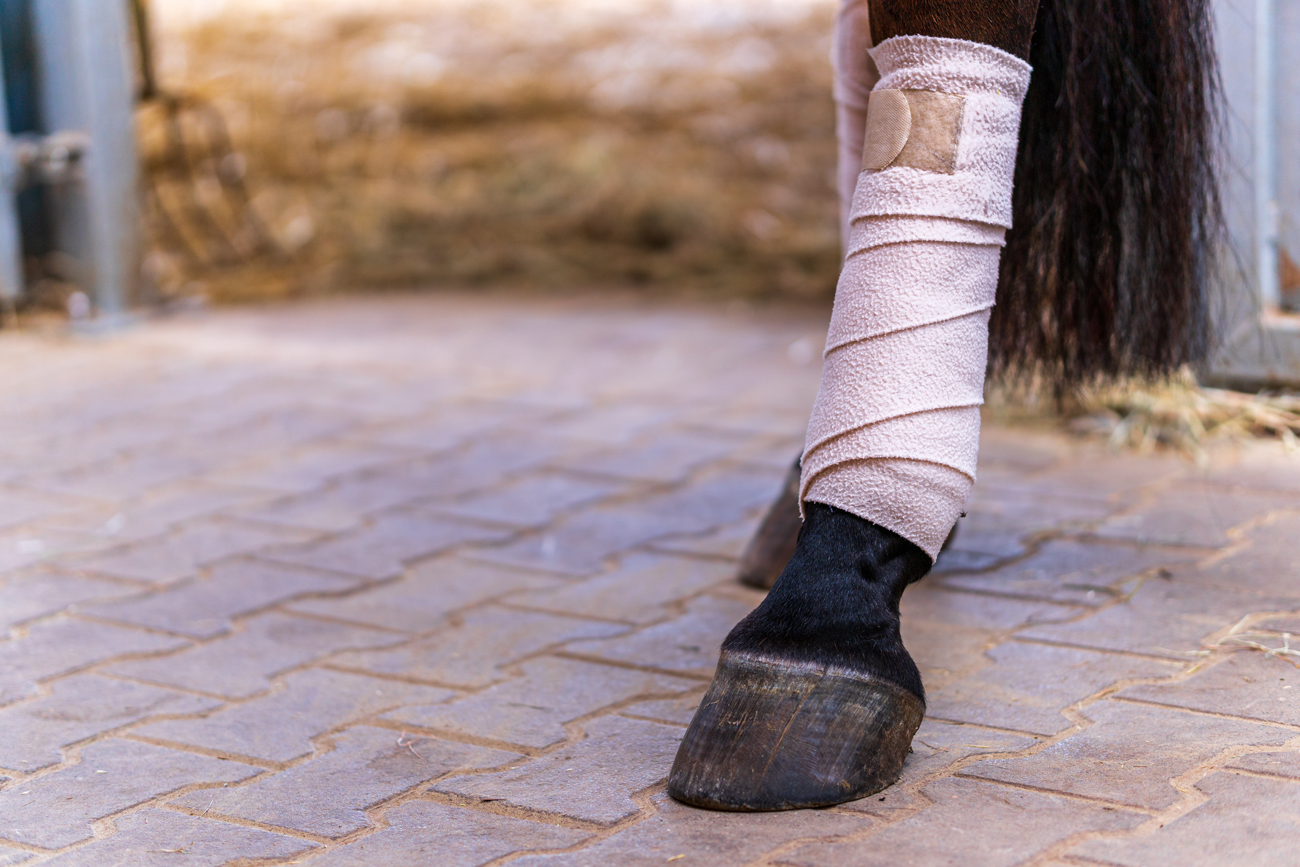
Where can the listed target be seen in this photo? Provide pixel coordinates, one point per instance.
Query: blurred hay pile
(1187, 417)
(522, 143)
(1144, 416)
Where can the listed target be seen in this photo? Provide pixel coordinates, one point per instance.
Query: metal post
(87, 85)
(1265, 153)
(11, 247)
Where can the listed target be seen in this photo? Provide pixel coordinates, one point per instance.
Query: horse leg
(773, 543)
(816, 700)
(770, 548)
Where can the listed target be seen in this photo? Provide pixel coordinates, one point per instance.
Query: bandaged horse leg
(816, 700)
(773, 543)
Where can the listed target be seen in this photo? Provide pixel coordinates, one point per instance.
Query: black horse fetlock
(815, 700)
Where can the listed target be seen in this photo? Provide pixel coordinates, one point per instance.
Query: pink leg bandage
(895, 430)
(855, 76)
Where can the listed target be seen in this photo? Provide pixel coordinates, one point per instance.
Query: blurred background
(298, 147)
(165, 154)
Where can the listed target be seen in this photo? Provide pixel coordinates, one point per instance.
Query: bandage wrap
(855, 76)
(895, 430)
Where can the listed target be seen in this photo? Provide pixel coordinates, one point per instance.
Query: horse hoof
(774, 542)
(774, 735)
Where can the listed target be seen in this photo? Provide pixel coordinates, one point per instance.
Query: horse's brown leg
(1002, 24)
(773, 543)
(1005, 24)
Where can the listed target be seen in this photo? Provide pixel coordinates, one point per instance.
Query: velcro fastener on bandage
(988, 86)
(919, 129)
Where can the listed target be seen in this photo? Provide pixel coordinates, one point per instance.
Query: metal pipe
(1265, 153)
(11, 245)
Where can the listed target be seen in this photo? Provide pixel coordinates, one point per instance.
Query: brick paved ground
(440, 581)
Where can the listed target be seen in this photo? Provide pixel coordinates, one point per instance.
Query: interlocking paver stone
(304, 469)
(1254, 466)
(156, 512)
(243, 663)
(673, 710)
(664, 458)
(613, 423)
(470, 650)
(1000, 524)
(969, 818)
(531, 710)
(329, 795)
(1279, 764)
(717, 498)
(1247, 822)
(180, 555)
(581, 546)
(80, 707)
(1070, 571)
(339, 506)
(1094, 472)
(932, 603)
(1168, 618)
(946, 653)
(1020, 451)
(613, 755)
(533, 501)
(938, 745)
(1015, 692)
(431, 590)
(30, 546)
(63, 646)
(279, 726)
(120, 476)
(704, 838)
(205, 607)
(1197, 515)
(261, 504)
(452, 424)
(38, 593)
(19, 506)
(383, 547)
(1268, 564)
(482, 465)
(1021, 513)
(161, 838)
(639, 591)
(56, 810)
(425, 833)
(687, 644)
(728, 542)
(1246, 684)
(1130, 754)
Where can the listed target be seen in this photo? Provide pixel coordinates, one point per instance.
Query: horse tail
(1107, 271)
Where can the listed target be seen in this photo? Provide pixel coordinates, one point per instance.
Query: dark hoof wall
(775, 735)
(774, 542)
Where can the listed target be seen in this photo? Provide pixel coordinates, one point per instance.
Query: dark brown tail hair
(1117, 217)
